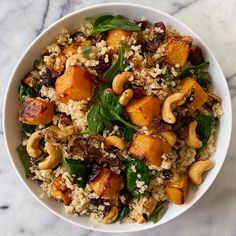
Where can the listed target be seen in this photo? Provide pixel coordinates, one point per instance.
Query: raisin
(138, 91)
(102, 66)
(49, 78)
(167, 174)
(195, 55)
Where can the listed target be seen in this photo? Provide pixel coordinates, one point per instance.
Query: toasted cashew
(115, 141)
(32, 146)
(125, 97)
(169, 105)
(192, 139)
(119, 81)
(197, 169)
(112, 215)
(149, 205)
(169, 136)
(53, 158)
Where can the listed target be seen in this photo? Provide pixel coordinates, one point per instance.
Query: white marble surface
(22, 20)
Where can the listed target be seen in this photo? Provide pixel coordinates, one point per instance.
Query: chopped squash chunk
(142, 111)
(117, 36)
(36, 111)
(194, 93)
(75, 84)
(70, 50)
(60, 191)
(177, 191)
(149, 149)
(107, 184)
(178, 50)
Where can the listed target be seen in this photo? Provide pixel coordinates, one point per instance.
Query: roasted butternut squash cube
(194, 93)
(75, 84)
(142, 111)
(149, 149)
(177, 191)
(60, 191)
(70, 50)
(117, 36)
(178, 49)
(36, 111)
(107, 184)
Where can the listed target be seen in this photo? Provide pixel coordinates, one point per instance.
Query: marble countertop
(23, 20)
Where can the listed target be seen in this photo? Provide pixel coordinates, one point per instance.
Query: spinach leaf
(117, 67)
(105, 110)
(86, 50)
(108, 22)
(136, 173)
(205, 124)
(78, 171)
(124, 212)
(190, 71)
(27, 130)
(25, 159)
(203, 79)
(159, 212)
(127, 133)
(25, 91)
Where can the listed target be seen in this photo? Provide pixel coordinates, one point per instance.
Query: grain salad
(118, 118)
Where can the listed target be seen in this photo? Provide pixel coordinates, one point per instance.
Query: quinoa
(93, 175)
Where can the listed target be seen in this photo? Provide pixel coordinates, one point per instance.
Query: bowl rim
(114, 4)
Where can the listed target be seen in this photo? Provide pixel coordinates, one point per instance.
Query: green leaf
(132, 177)
(159, 212)
(123, 213)
(117, 67)
(127, 133)
(77, 170)
(25, 159)
(108, 22)
(205, 124)
(105, 110)
(86, 50)
(190, 71)
(25, 91)
(203, 79)
(27, 130)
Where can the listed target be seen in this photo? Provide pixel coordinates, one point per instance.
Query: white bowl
(72, 21)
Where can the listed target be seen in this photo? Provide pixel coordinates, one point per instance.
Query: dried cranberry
(102, 66)
(99, 201)
(195, 55)
(143, 24)
(167, 174)
(138, 91)
(65, 119)
(49, 78)
(159, 36)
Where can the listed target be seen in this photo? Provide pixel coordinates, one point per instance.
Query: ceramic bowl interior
(12, 126)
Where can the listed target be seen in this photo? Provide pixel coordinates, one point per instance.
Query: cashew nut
(115, 141)
(32, 146)
(119, 81)
(192, 139)
(112, 215)
(197, 169)
(53, 158)
(169, 105)
(125, 97)
(169, 136)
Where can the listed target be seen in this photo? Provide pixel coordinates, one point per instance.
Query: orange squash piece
(60, 191)
(70, 50)
(178, 49)
(142, 111)
(107, 184)
(75, 84)
(36, 111)
(194, 93)
(149, 149)
(117, 36)
(177, 191)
